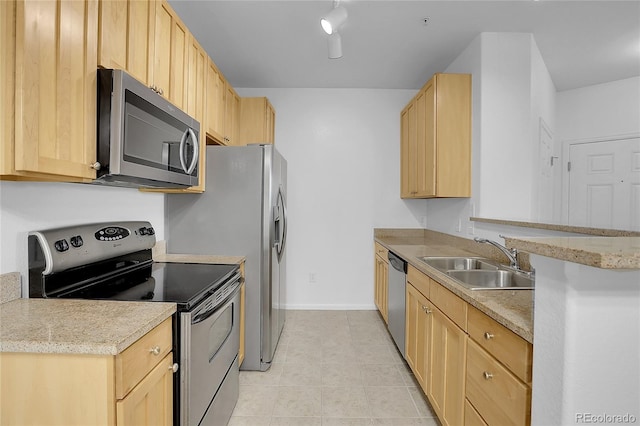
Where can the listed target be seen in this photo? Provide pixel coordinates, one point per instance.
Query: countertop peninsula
(599, 252)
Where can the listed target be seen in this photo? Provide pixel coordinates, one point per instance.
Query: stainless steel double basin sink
(478, 273)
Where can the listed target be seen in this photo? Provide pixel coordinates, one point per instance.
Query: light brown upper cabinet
(258, 121)
(435, 139)
(148, 40)
(223, 108)
(49, 92)
(126, 37)
(231, 115)
(171, 55)
(215, 103)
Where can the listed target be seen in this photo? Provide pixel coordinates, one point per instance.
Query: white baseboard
(331, 307)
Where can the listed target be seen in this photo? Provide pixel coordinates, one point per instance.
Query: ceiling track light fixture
(334, 44)
(331, 23)
(334, 19)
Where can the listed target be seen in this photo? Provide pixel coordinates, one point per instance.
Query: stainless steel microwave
(143, 139)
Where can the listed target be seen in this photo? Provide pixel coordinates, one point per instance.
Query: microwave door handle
(183, 140)
(183, 143)
(196, 151)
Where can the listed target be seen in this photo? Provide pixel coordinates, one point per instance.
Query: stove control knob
(61, 245)
(150, 231)
(76, 241)
(142, 231)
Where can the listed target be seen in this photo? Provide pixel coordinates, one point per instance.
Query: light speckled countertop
(600, 252)
(77, 326)
(602, 232)
(85, 326)
(160, 255)
(511, 308)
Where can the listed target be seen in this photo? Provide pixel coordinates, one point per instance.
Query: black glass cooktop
(182, 283)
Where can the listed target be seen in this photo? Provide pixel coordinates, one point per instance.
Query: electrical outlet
(313, 277)
(459, 228)
(471, 229)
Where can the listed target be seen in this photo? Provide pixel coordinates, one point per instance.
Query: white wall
(32, 206)
(608, 109)
(343, 155)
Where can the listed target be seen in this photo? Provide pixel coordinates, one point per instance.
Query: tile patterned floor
(333, 368)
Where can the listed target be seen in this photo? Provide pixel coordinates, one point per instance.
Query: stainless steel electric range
(113, 261)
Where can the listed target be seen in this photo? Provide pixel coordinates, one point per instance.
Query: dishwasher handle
(397, 263)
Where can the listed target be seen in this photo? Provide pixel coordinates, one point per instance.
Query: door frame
(566, 148)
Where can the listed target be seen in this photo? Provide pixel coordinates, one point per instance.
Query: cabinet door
(196, 81)
(126, 36)
(215, 103)
(171, 55)
(382, 287)
(453, 134)
(7, 86)
(426, 148)
(151, 401)
(417, 326)
(55, 84)
(409, 151)
(258, 119)
(271, 124)
(446, 383)
(232, 113)
(232, 116)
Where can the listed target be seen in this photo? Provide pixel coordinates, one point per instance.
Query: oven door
(210, 343)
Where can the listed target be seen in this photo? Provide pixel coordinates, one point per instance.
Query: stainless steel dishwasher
(396, 299)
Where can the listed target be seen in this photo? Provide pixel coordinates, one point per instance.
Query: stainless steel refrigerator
(242, 212)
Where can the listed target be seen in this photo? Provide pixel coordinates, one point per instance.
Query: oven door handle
(202, 316)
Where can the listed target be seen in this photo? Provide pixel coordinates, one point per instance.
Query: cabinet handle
(95, 166)
(426, 309)
(174, 367)
(160, 92)
(155, 350)
(488, 336)
(487, 375)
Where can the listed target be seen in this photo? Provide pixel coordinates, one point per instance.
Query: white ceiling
(386, 45)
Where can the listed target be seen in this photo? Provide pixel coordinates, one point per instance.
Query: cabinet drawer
(419, 280)
(382, 252)
(471, 416)
(138, 360)
(509, 348)
(498, 396)
(450, 304)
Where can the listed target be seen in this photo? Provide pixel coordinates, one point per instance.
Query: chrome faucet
(512, 253)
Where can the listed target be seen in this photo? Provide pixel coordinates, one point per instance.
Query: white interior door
(604, 184)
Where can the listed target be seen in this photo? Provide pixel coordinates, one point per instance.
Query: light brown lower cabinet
(473, 370)
(448, 350)
(471, 416)
(417, 338)
(134, 387)
(381, 281)
(435, 347)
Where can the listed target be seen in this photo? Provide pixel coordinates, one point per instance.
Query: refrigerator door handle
(284, 223)
(276, 229)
